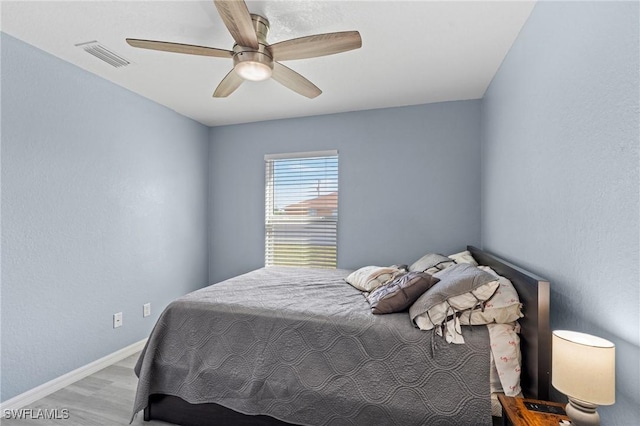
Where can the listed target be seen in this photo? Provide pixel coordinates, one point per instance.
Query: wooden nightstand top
(517, 414)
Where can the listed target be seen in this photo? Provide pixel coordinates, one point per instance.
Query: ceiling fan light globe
(253, 71)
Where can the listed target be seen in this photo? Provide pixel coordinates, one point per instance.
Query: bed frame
(535, 344)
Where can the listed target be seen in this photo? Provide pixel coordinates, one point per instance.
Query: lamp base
(582, 413)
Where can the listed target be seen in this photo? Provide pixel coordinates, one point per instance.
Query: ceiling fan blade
(294, 81)
(228, 85)
(236, 18)
(189, 49)
(316, 45)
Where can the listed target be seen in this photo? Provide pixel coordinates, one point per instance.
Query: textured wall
(560, 173)
(409, 183)
(104, 208)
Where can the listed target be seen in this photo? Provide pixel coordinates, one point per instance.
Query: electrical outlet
(117, 320)
(146, 309)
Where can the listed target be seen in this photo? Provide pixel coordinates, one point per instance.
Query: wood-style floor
(102, 399)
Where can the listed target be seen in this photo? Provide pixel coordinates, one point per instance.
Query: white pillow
(504, 307)
(505, 358)
(369, 278)
(431, 263)
(463, 257)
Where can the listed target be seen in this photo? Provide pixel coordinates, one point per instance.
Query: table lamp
(583, 368)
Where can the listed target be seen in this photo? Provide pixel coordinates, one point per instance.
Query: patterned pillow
(369, 278)
(506, 358)
(504, 307)
(399, 294)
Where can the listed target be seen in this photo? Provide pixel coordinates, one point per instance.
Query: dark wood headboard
(535, 336)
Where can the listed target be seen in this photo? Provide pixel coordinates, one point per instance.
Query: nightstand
(514, 412)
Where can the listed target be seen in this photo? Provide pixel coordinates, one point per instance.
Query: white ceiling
(413, 52)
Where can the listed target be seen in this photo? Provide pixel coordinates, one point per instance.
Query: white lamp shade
(583, 367)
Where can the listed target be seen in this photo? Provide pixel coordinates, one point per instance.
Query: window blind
(301, 209)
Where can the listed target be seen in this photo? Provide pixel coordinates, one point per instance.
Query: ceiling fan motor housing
(250, 63)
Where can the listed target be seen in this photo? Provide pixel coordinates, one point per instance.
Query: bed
(257, 350)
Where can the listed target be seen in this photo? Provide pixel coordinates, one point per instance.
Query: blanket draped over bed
(301, 345)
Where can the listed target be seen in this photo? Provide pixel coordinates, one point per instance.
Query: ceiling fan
(253, 58)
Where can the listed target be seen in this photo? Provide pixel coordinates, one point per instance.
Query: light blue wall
(409, 183)
(104, 194)
(104, 208)
(560, 173)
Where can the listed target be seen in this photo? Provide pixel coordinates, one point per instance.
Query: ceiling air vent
(99, 51)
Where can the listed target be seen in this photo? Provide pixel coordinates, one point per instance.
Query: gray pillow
(461, 287)
(399, 294)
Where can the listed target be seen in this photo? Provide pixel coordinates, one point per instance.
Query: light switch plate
(117, 320)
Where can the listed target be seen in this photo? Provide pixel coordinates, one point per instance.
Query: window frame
(321, 229)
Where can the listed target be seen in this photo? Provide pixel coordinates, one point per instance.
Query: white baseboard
(54, 385)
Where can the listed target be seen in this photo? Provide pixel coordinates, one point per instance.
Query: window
(301, 209)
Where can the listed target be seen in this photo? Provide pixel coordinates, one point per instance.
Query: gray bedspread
(302, 345)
